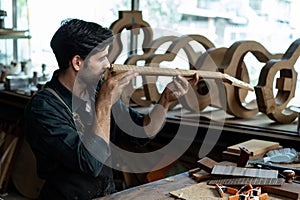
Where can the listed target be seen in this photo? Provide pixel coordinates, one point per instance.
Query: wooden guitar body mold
(232, 64)
(137, 95)
(181, 43)
(274, 106)
(210, 92)
(130, 20)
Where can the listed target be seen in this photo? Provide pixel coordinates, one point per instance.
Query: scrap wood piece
(255, 146)
(243, 172)
(193, 171)
(207, 164)
(200, 191)
(233, 157)
(290, 190)
(244, 181)
(201, 176)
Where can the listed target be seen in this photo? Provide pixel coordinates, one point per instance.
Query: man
(70, 124)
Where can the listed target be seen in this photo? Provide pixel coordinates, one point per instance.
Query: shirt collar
(65, 93)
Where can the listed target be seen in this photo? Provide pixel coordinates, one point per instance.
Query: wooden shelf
(13, 34)
(9, 98)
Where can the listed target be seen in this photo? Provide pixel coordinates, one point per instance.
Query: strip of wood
(159, 71)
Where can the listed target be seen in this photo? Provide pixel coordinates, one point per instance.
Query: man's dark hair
(78, 37)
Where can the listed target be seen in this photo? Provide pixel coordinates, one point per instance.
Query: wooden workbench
(159, 190)
(232, 131)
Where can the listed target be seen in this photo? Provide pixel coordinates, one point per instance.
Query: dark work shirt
(70, 170)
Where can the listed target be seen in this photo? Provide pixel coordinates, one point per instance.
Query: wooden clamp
(224, 189)
(247, 192)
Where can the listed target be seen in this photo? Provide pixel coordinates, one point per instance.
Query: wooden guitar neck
(157, 71)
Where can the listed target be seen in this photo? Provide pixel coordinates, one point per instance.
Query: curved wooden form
(130, 20)
(232, 64)
(150, 50)
(181, 43)
(228, 61)
(274, 106)
(208, 91)
(138, 96)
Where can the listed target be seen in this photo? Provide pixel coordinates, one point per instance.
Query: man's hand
(177, 88)
(114, 85)
(108, 95)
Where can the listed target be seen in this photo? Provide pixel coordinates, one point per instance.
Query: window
(44, 18)
(221, 21)
(276, 27)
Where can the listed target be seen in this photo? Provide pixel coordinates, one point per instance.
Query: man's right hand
(113, 87)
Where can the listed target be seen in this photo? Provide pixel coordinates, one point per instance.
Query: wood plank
(158, 71)
(290, 190)
(233, 157)
(207, 164)
(256, 147)
(200, 191)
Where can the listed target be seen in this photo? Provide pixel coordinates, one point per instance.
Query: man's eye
(102, 58)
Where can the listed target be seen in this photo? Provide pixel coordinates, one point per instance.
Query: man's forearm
(154, 121)
(102, 121)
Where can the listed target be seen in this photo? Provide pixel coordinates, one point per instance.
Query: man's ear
(76, 62)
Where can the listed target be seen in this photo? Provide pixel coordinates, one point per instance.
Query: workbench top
(159, 190)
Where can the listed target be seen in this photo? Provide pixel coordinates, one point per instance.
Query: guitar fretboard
(244, 172)
(158, 71)
(244, 181)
